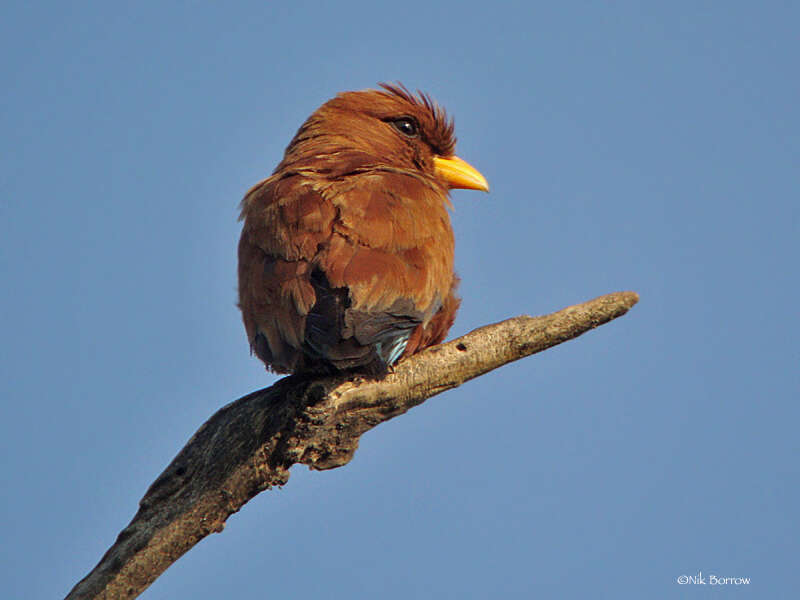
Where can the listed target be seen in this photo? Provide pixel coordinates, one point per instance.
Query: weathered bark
(249, 445)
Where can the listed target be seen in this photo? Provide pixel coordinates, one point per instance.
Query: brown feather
(346, 253)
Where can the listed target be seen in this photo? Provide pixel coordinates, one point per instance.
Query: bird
(346, 256)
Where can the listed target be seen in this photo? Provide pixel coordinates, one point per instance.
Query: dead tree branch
(249, 445)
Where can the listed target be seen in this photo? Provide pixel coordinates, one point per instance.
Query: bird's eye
(407, 126)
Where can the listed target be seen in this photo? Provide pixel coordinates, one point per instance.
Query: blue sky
(643, 146)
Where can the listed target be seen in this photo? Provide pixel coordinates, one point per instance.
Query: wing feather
(349, 274)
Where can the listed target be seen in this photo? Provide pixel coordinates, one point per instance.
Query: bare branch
(249, 445)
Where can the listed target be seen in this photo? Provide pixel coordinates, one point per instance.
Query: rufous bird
(346, 253)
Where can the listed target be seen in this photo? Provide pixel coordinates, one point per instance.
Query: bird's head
(381, 130)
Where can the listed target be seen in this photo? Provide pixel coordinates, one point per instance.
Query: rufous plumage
(346, 253)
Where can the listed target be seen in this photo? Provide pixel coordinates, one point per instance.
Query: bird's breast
(390, 241)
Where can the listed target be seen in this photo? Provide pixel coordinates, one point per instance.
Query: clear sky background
(644, 146)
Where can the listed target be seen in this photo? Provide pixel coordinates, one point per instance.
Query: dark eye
(406, 125)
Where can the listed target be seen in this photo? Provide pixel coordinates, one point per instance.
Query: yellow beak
(459, 174)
